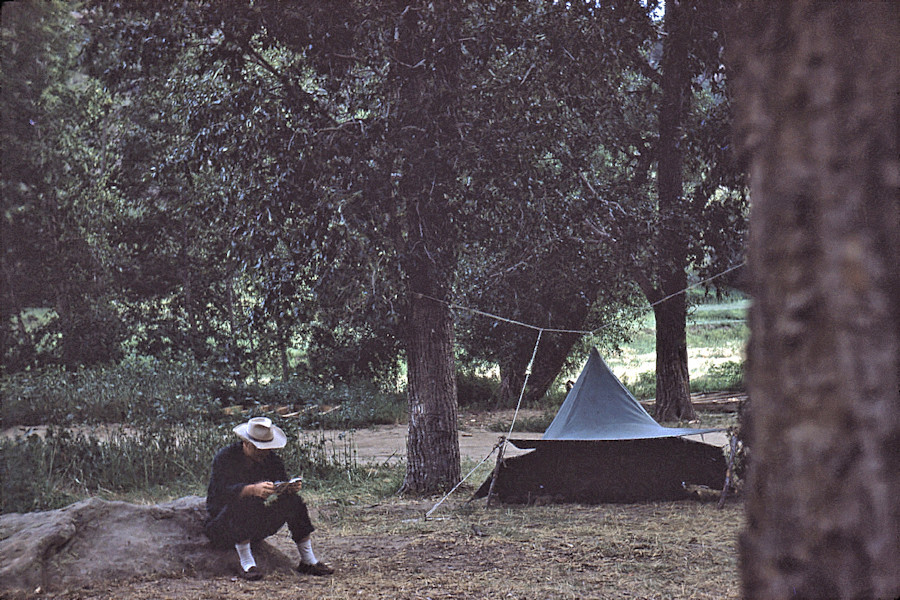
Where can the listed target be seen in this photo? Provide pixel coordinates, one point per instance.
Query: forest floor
(684, 549)
(389, 548)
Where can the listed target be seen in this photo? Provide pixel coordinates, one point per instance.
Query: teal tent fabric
(599, 407)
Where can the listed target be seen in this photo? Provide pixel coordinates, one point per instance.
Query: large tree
(331, 132)
(547, 134)
(617, 125)
(818, 91)
(697, 221)
(425, 66)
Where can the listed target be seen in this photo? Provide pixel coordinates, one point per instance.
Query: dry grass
(388, 550)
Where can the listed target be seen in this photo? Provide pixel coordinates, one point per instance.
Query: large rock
(97, 540)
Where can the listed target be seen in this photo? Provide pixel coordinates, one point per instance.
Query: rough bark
(433, 460)
(673, 398)
(673, 385)
(817, 92)
(427, 65)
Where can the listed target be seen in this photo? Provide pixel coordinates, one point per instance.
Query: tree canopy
(249, 181)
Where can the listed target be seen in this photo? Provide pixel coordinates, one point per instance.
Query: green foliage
(348, 406)
(58, 202)
(720, 377)
(643, 386)
(63, 466)
(476, 391)
(138, 390)
(537, 424)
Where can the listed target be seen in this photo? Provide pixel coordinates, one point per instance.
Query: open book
(282, 486)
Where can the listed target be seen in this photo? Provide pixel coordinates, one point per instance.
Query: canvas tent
(602, 446)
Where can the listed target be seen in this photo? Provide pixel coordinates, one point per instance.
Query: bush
(40, 474)
(722, 377)
(536, 424)
(476, 391)
(50, 472)
(643, 386)
(139, 390)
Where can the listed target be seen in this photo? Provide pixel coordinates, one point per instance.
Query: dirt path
(477, 438)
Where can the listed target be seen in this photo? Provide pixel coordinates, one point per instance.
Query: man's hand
(263, 489)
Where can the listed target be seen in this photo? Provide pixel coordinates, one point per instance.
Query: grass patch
(531, 424)
(716, 339)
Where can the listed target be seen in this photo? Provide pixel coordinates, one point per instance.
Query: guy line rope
(503, 440)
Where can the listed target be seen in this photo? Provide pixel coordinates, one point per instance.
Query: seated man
(238, 498)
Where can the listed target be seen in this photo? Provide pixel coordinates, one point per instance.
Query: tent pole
(490, 493)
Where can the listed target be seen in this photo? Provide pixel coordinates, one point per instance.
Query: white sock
(246, 556)
(306, 553)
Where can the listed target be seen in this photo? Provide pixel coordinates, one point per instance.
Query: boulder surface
(96, 540)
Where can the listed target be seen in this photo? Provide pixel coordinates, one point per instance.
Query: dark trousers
(251, 519)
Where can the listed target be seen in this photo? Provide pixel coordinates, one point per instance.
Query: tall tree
(693, 215)
(817, 87)
(332, 130)
(673, 389)
(426, 67)
(549, 136)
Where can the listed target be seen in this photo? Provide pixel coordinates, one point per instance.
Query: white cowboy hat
(260, 432)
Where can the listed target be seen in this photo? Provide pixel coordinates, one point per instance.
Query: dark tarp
(602, 446)
(591, 472)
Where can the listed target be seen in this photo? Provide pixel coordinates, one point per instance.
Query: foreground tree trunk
(673, 390)
(817, 89)
(427, 65)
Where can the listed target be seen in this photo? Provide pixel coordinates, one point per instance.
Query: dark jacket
(232, 470)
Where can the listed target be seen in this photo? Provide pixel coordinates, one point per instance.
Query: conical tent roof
(599, 407)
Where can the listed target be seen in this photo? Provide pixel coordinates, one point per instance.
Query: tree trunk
(673, 396)
(673, 386)
(232, 350)
(817, 90)
(283, 357)
(433, 460)
(512, 375)
(187, 286)
(551, 358)
(426, 68)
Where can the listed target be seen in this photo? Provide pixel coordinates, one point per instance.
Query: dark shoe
(251, 574)
(318, 569)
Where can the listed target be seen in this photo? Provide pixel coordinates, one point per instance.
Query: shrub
(41, 474)
(536, 424)
(724, 377)
(643, 386)
(476, 391)
(134, 391)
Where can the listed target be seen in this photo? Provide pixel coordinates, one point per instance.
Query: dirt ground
(389, 551)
